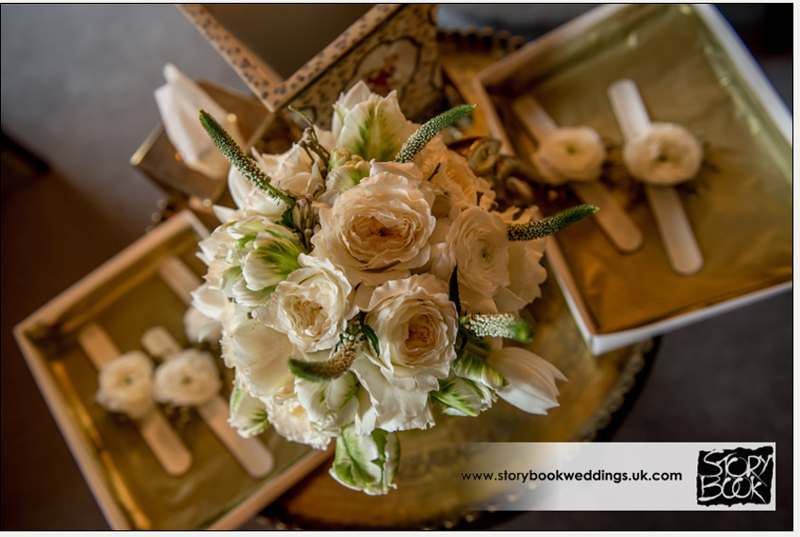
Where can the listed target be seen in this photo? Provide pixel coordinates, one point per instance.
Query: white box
(616, 36)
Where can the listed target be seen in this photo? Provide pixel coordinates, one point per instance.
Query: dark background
(77, 85)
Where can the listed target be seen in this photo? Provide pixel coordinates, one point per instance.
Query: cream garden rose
(312, 306)
(416, 324)
(379, 230)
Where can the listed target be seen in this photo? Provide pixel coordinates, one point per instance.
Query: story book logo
(735, 476)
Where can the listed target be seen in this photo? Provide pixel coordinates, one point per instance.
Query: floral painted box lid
(390, 46)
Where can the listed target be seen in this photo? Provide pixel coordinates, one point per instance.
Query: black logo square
(735, 476)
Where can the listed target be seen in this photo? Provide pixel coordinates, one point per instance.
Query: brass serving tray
(430, 493)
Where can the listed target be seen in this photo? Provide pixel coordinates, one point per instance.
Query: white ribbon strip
(251, 454)
(157, 432)
(673, 224)
(256, 459)
(180, 278)
(613, 220)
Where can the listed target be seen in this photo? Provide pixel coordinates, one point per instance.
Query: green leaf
(448, 396)
(552, 224)
(372, 337)
(429, 129)
(454, 297)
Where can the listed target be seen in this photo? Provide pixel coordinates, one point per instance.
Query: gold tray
(692, 70)
(126, 296)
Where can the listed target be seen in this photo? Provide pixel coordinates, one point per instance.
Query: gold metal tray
(430, 493)
(692, 70)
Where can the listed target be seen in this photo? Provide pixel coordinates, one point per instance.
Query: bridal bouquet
(367, 278)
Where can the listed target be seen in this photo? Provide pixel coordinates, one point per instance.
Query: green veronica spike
(244, 163)
(547, 226)
(334, 367)
(498, 325)
(426, 132)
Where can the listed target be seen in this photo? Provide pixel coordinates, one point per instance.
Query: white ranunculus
(378, 230)
(260, 356)
(416, 325)
(126, 385)
(571, 154)
(531, 379)
(665, 154)
(312, 306)
(189, 378)
(289, 419)
(477, 243)
(454, 178)
(524, 267)
(368, 125)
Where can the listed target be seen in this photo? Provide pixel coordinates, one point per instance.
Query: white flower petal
(532, 380)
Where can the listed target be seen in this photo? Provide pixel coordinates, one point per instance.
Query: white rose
(199, 327)
(126, 385)
(416, 325)
(378, 230)
(571, 154)
(477, 243)
(312, 306)
(290, 420)
(665, 154)
(189, 378)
